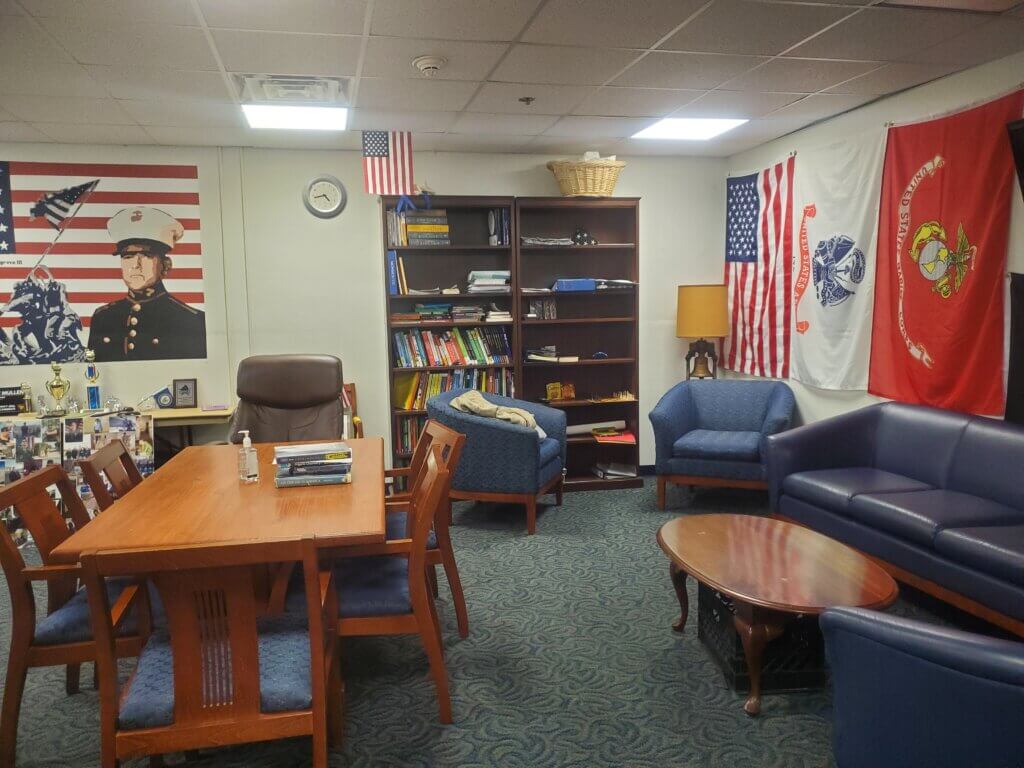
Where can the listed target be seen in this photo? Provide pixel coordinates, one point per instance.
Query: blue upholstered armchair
(913, 695)
(503, 461)
(714, 432)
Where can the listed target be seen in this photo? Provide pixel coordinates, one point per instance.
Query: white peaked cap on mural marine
(145, 224)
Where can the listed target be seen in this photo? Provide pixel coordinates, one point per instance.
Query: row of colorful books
(458, 346)
(312, 464)
(412, 390)
(418, 227)
(407, 432)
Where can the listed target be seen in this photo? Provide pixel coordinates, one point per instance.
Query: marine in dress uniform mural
(149, 323)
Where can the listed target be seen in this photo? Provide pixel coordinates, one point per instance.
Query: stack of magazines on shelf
(312, 464)
(611, 470)
(489, 281)
(467, 313)
(497, 315)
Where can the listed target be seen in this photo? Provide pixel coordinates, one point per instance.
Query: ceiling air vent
(293, 89)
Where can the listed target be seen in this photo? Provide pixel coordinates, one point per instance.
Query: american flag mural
(387, 162)
(759, 270)
(58, 261)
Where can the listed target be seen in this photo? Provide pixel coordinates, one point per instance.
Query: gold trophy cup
(58, 387)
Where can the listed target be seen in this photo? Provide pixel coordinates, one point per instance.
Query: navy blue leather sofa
(937, 496)
(913, 695)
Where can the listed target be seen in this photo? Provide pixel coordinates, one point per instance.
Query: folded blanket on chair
(474, 402)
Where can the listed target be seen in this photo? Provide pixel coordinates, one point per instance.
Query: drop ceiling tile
(377, 120)
(502, 125)
(1000, 37)
(561, 65)
(304, 139)
(46, 109)
(547, 99)
(179, 135)
(9, 8)
(94, 40)
(610, 23)
(20, 132)
(223, 115)
(337, 16)
(453, 19)
(737, 104)
(1018, 11)
(799, 75)
(686, 70)
(436, 95)
(157, 11)
(819, 106)
(887, 34)
(598, 127)
(144, 83)
(453, 142)
(22, 43)
(615, 101)
(740, 26)
(661, 148)
(892, 78)
(392, 57)
(287, 53)
(7, 117)
(64, 80)
(70, 133)
(568, 147)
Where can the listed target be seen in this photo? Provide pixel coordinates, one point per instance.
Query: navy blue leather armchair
(503, 461)
(714, 432)
(913, 695)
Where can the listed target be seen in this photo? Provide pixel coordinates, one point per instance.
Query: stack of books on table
(489, 281)
(312, 464)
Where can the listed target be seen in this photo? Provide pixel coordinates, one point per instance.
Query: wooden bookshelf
(443, 266)
(587, 322)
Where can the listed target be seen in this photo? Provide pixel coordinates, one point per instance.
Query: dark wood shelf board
(594, 483)
(588, 361)
(628, 291)
(571, 248)
(411, 412)
(441, 297)
(435, 368)
(589, 439)
(579, 321)
(583, 403)
(445, 324)
(445, 248)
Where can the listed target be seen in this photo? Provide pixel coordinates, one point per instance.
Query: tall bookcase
(586, 322)
(599, 321)
(443, 266)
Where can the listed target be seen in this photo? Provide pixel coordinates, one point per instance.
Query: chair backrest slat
(429, 493)
(114, 463)
(449, 441)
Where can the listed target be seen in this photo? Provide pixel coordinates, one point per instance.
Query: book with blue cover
(308, 480)
(392, 273)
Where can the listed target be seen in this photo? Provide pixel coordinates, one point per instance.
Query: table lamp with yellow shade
(702, 313)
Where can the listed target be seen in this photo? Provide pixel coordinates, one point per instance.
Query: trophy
(58, 387)
(92, 375)
(26, 393)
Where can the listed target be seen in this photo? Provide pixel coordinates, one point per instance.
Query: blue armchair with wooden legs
(505, 462)
(715, 432)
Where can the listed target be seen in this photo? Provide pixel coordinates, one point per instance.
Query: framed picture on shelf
(185, 395)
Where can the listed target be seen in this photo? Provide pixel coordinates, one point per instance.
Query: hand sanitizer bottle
(248, 463)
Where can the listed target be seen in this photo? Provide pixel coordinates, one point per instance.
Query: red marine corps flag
(942, 234)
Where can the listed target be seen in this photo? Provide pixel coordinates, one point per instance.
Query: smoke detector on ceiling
(429, 66)
(293, 89)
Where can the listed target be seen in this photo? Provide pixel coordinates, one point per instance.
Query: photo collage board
(29, 445)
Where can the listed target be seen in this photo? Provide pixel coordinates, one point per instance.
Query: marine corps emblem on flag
(945, 267)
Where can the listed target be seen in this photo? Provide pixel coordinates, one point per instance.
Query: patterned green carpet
(570, 662)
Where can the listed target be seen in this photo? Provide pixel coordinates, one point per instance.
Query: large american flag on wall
(387, 162)
(64, 207)
(759, 270)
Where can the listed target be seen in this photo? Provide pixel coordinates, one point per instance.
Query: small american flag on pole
(759, 270)
(387, 162)
(55, 206)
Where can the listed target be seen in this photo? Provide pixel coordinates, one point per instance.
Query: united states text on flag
(79, 250)
(759, 270)
(387, 162)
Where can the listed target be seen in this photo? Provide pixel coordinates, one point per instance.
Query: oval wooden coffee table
(773, 571)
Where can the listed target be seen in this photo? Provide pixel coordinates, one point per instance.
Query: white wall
(936, 98)
(280, 280)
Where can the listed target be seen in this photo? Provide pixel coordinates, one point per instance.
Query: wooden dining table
(197, 499)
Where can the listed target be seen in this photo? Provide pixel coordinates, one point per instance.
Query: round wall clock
(325, 196)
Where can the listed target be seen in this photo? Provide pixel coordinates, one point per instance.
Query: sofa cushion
(983, 462)
(285, 680)
(994, 549)
(833, 488)
(713, 444)
(920, 515)
(71, 622)
(549, 450)
(918, 442)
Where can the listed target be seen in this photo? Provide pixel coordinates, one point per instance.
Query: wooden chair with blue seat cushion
(715, 432)
(220, 673)
(439, 542)
(110, 473)
(64, 637)
(384, 587)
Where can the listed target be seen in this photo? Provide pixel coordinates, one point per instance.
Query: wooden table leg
(757, 627)
(679, 582)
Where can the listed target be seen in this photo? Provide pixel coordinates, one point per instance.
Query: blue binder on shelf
(392, 273)
(568, 284)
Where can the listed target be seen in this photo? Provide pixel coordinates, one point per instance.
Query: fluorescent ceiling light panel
(284, 117)
(688, 128)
